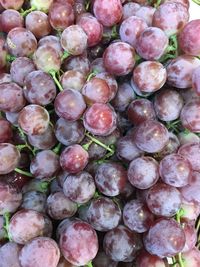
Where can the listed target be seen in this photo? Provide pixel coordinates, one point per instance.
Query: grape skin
(9, 254)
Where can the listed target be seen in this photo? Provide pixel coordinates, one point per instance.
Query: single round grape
(92, 27)
(53, 42)
(140, 110)
(191, 210)
(191, 258)
(168, 105)
(73, 79)
(171, 17)
(129, 9)
(21, 42)
(131, 28)
(114, 239)
(108, 13)
(143, 172)
(175, 170)
(190, 117)
(37, 22)
(119, 65)
(9, 254)
(11, 19)
(191, 191)
(74, 158)
(97, 65)
(102, 260)
(45, 164)
(60, 207)
(100, 119)
(9, 157)
(103, 214)
(144, 259)
(196, 80)
(10, 198)
(12, 4)
(78, 63)
(34, 200)
(5, 78)
(34, 120)
(6, 131)
(186, 138)
(47, 140)
(11, 97)
(163, 200)
(189, 40)
(152, 43)
(25, 225)
(190, 236)
(137, 91)
(151, 136)
(191, 151)
(3, 53)
(20, 68)
(61, 15)
(80, 187)
(42, 5)
(32, 254)
(79, 243)
(39, 88)
(46, 58)
(137, 217)
(146, 13)
(165, 238)
(96, 90)
(180, 70)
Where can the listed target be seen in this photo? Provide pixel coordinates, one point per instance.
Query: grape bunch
(99, 133)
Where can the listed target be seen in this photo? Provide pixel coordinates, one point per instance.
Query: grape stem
(26, 12)
(26, 145)
(10, 58)
(89, 264)
(196, 2)
(23, 172)
(180, 214)
(65, 55)
(91, 75)
(6, 225)
(56, 149)
(100, 143)
(53, 74)
(86, 146)
(43, 186)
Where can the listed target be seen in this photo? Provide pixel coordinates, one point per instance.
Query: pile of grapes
(99, 133)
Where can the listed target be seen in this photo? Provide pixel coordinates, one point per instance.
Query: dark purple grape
(55, 187)
(97, 65)
(32, 254)
(73, 79)
(144, 259)
(6, 131)
(52, 41)
(11, 19)
(103, 214)
(9, 254)
(80, 187)
(102, 260)
(34, 200)
(9, 158)
(78, 63)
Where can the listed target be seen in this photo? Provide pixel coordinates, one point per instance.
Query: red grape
(102, 260)
(129, 9)
(12, 4)
(146, 13)
(190, 236)
(6, 132)
(9, 158)
(196, 80)
(191, 258)
(9, 254)
(10, 19)
(144, 259)
(78, 63)
(73, 79)
(34, 200)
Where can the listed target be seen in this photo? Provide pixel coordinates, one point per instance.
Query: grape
(25, 225)
(143, 172)
(180, 70)
(6, 132)
(186, 138)
(46, 58)
(70, 105)
(47, 140)
(74, 159)
(191, 237)
(53, 42)
(9, 158)
(37, 22)
(189, 40)
(111, 178)
(10, 19)
(108, 13)
(61, 15)
(97, 65)
(73, 79)
(32, 254)
(60, 207)
(196, 80)
(15, 179)
(165, 238)
(168, 105)
(68, 132)
(129, 9)
(45, 164)
(163, 200)
(9, 254)
(78, 243)
(34, 120)
(11, 97)
(171, 17)
(80, 187)
(151, 136)
(152, 43)
(119, 66)
(100, 119)
(144, 259)
(131, 28)
(21, 42)
(10, 198)
(78, 63)
(191, 210)
(140, 110)
(191, 192)
(191, 151)
(114, 239)
(34, 200)
(146, 13)
(2, 230)
(20, 68)
(39, 88)
(92, 27)
(96, 91)
(42, 5)
(64, 263)
(191, 258)
(5, 78)
(175, 170)
(183, 2)
(103, 214)
(102, 260)
(3, 53)
(55, 187)
(12, 4)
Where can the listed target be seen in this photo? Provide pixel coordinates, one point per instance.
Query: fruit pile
(99, 133)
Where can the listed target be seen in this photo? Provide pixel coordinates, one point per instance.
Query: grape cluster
(99, 134)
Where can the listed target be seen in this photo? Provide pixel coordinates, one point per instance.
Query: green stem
(91, 75)
(86, 146)
(87, 5)
(20, 147)
(26, 12)
(22, 134)
(196, 2)
(89, 264)
(100, 143)
(156, 5)
(65, 55)
(23, 172)
(180, 214)
(53, 74)
(180, 260)
(198, 225)
(6, 225)
(10, 58)
(57, 148)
